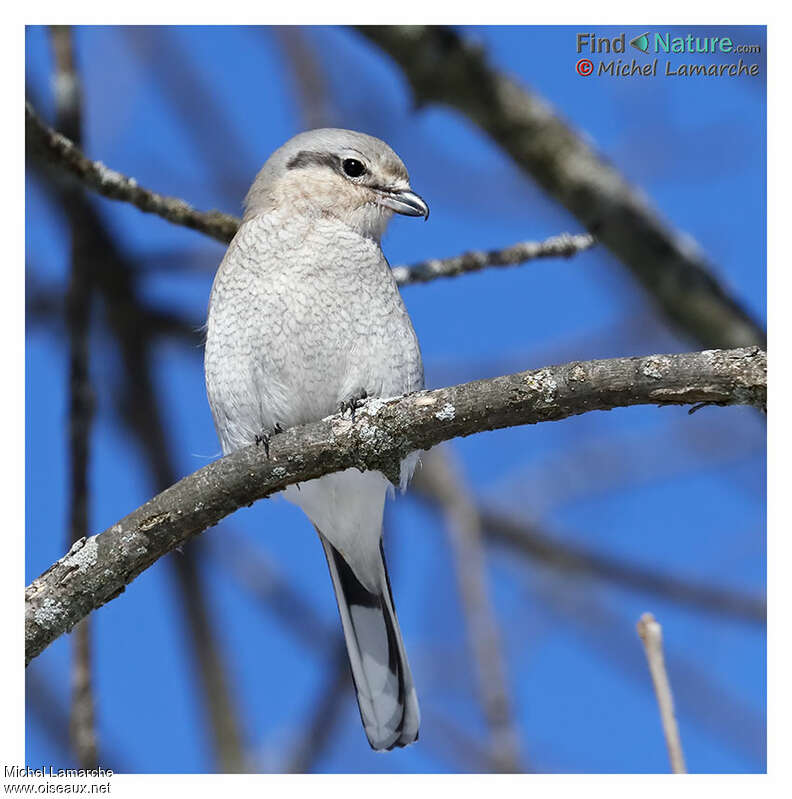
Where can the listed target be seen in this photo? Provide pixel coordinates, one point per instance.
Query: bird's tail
(385, 691)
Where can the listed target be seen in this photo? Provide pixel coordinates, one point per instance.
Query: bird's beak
(405, 202)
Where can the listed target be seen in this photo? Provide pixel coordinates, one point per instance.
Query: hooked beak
(405, 202)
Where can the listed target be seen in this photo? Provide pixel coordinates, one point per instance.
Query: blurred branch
(563, 245)
(326, 709)
(45, 705)
(443, 67)
(308, 75)
(134, 328)
(82, 722)
(45, 305)
(651, 635)
(600, 628)
(98, 569)
(64, 154)
(452, 742)
(524, 537)
(249, 568)
(603, 464)
(252, 570)
(439, 478)
(172, 66)
(223, 724)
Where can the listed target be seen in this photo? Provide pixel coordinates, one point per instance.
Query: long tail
(385, 691)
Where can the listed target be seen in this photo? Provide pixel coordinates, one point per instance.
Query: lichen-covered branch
(98, 569)
(443, 67)
(65, 154)
(563, 245)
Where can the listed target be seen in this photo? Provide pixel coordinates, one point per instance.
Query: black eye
(353, 167)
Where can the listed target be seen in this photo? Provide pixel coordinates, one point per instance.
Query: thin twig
(440, 478)
(64, 154)
(385, 431)
(444, 67)
(599, 626)
(111, 184)
(564, 245)
(651, 635)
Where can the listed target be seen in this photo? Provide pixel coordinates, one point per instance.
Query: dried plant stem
(651, 634)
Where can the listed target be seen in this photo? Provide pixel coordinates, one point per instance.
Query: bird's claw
(353, 403)
(265, 436)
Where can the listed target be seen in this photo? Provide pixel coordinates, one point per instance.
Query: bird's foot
(265, 437)
(353, 403)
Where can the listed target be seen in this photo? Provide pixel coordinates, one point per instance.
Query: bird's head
(343, 174)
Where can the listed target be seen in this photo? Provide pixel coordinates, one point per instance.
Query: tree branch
(98, 569)
(79, 296)
(563, 245)
(523, 537)
(135, 329)
(443, 67)
(64, 154)
(326, 708)
(95, 175)
(520, 535)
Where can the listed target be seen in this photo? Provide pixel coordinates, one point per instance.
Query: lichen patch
(446, 413)
(48, 613)
(655, 367)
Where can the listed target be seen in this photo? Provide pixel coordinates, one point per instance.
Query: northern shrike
(305, 319)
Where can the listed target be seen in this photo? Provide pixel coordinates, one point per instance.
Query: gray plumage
(305, 317)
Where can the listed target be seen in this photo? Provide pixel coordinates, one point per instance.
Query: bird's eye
(353, 167)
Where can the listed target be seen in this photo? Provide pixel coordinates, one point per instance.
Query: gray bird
(305, 319)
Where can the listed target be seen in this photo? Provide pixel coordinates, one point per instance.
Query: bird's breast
(310, 319)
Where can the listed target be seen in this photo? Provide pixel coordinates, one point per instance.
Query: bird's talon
(353, 403)
(265, 436)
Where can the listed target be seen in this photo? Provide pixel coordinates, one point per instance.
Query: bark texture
(99, 568)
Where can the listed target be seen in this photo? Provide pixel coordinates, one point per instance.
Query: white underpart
(347, 507)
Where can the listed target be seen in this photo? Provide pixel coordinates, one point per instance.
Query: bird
(305, 320)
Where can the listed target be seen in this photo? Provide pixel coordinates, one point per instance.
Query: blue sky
(194, 112)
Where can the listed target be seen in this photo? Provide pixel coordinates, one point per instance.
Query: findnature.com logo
(664, 44)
